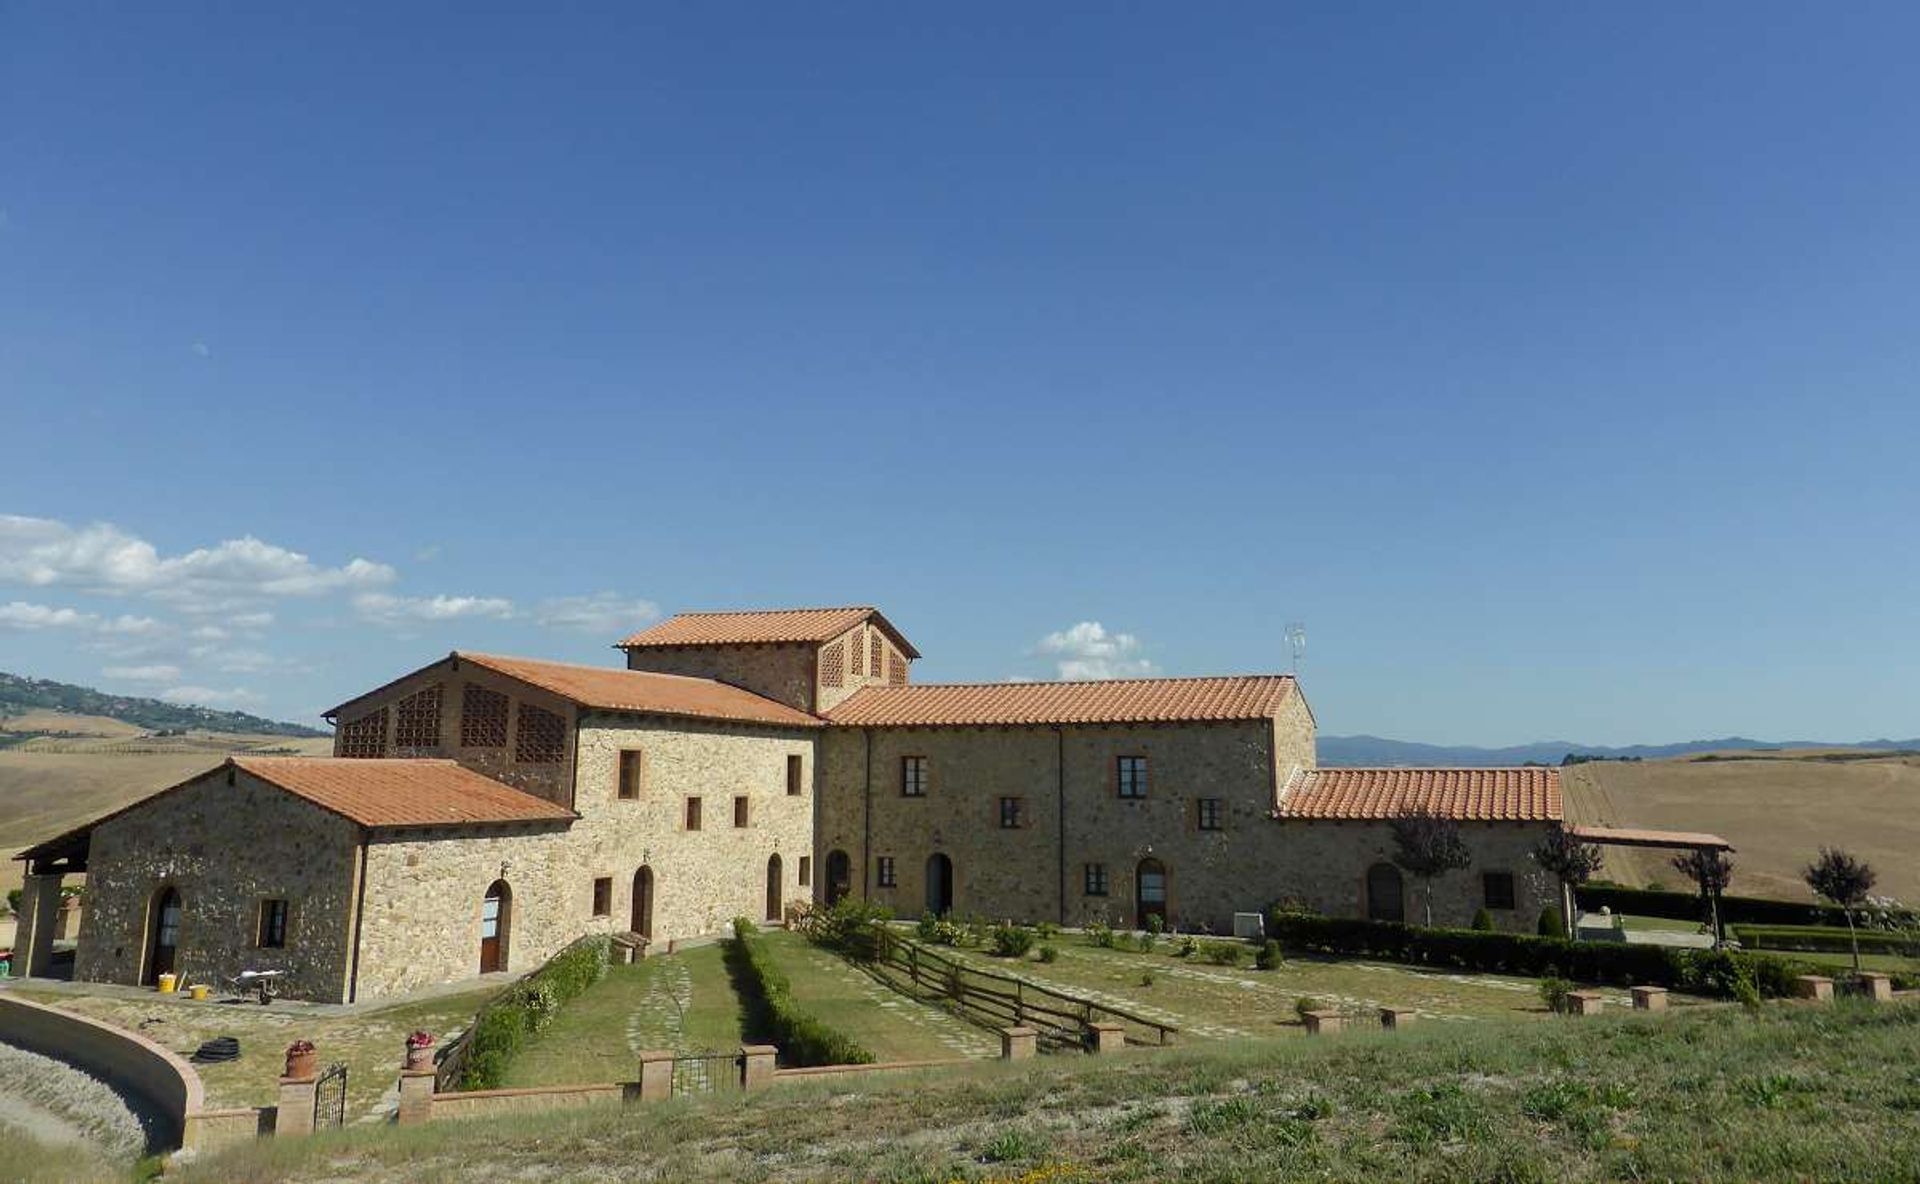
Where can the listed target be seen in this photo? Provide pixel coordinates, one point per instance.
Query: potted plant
(302, 1061)
(419, 1051)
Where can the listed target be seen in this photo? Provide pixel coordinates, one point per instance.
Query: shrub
(1147, 941)
(1482, 921)
(1224, 953)
(1186, 946)
(1305, 1004)
(1047, 930)
(501, 1029)
(926, 927)
(1686, 906)
(1049, 953)
(801, 1036)
(1012, 941)
(1824, 939)
(1269, 957)
(1146, 978)
(1123, 941)
(851, 927)
(1100, 934)
(1156, 924)
(1553, 923)
(1554, 992)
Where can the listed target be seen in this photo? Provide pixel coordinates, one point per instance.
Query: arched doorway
(643, 902)
(496, 927)
(1386, 894)
(839, 877)
(1149, 893)
(773, 888)
(939, 885)
(163, 934)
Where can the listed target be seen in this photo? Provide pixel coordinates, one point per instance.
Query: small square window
(913, 776)
(272, 933)
(1208, 813)
(806, 871)
(1013, 813)
(795, 769)
(693, 813)
(1096, 879)
(1130, 776)
(1499, 889)
(633, 765)
(603, 896)
(741, 810)
(884, 871)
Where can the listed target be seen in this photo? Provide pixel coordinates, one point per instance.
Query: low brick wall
(494, 1102)
(216, 1130)
(161, 1083)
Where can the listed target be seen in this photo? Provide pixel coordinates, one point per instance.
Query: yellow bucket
(198, 991)
(167, 982)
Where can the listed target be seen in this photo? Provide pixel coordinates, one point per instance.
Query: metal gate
(708, 1072)
(330, 1098)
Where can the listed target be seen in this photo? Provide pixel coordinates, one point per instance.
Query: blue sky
(1556, 366)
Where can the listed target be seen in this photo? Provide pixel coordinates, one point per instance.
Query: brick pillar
(295, 1115)
(1814, 986)
(756, 1066)
(656, 1075)
(1395, 1018)
(1584, 1002)
(416, 1096)
(1018, 1044)
(36, 925)
(1878, 988)
(1322, 1023)
(1649, 998)
(1108, 1038)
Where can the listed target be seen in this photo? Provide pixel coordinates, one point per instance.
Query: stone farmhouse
(484, 811)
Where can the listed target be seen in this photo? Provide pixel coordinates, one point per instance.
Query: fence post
(1108, 1038)
(756, 1065)
(656, 1074)
(1018, 1043)
(416, 1097)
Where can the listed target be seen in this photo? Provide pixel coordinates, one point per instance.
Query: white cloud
(211, 697)
(602, 612)
(21, 616)
(202, 349)
(384, 609)
(1088, 651)
(142, 673)
(43, 552)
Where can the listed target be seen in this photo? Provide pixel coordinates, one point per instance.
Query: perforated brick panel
(833, 669)
(416, 720)
(365, 738)
(483, 718)
(541, 736)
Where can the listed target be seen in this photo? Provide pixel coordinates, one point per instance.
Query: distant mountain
(19, 694)
(1373, 750)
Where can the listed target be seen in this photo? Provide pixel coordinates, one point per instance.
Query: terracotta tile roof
(401, 792)
(610, 689)
(762, 627)
(1112, 701)
(1471, 795)
(1631, 837)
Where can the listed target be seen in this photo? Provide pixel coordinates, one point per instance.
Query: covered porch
(1606, 927)
(47, 913)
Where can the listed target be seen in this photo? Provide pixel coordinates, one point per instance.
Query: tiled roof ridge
(1069, 682)
(764, 612)
(483, 659)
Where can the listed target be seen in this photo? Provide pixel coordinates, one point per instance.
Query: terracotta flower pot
(302, 1065)
(419, 1059)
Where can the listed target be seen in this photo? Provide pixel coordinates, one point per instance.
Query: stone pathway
(659, 1019)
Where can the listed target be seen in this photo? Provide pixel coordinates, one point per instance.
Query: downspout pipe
(359, 917)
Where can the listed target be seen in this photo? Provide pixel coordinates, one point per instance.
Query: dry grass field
(1776, 809)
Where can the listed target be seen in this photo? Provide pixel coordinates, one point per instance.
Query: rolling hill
(20, 695)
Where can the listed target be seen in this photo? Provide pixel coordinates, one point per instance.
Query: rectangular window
(913, 776)
(633, 765)
(603, 896)
(740, 810)
(1208, 813)
(1013, 813)
(795, 770)
(273, 925)
(693, 813)
(1499, 889)
(1096, 876)
(806, 871)
(884, 871)
(1130, 775)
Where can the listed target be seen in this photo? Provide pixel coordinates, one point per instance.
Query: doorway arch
(643, 902)
(939, 884)
(163, 934)
(773, 887)
(839, 877)
(496, 927)
(1149, 893)
(1386, 893)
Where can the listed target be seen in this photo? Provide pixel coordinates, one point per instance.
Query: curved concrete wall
(161, 1082)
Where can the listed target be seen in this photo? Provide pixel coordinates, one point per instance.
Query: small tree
(1844, 880)
(1711, 872)
(1427, 845)
(1573, 861)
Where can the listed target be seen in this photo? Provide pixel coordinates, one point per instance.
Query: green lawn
(1795, 1092)
(890, 1025)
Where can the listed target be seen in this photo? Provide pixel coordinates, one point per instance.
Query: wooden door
(164, 944)
(939, 885)
(495, 918)
(773, 888)
(643, 902)
(839, 877)
(1386, 893)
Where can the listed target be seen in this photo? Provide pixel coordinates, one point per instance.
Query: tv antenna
(1297, 641)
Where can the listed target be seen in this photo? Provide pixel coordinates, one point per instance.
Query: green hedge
(501, 1029)
(1687, 906)
(803, 1039)
(1824, 939)
(1707, 972)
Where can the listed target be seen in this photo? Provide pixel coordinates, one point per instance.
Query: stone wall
(551, 780)
(224, 845)
(1324, 864)
(783, 672)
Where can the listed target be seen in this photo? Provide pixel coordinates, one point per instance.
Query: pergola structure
(1669, 840)
(41, 899)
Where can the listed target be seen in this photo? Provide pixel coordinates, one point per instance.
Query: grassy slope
(891, 1026)
(27, 1160)
(1708, 1094)
(1776, 812)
